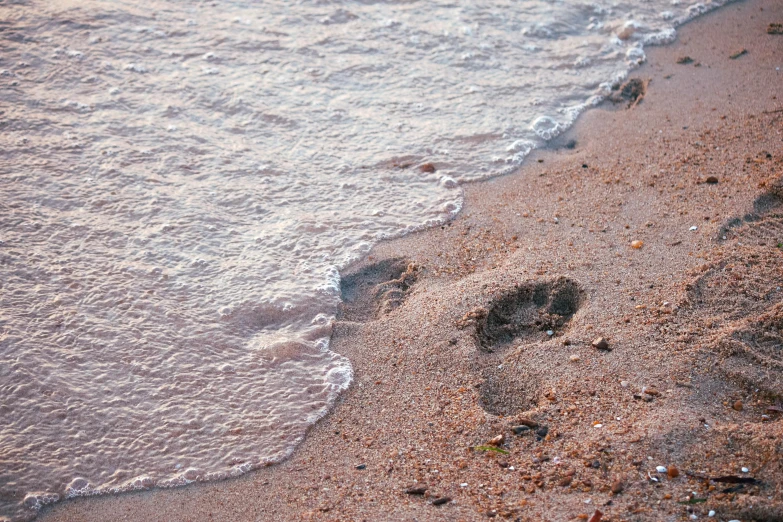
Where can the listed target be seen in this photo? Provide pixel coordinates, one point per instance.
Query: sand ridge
(484, 327)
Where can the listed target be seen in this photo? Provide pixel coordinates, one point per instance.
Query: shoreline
(429, 358)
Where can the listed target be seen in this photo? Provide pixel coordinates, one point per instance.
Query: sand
(462, 333)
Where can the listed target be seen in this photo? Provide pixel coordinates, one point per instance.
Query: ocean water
(182, 180)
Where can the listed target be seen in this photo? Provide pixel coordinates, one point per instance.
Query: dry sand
(447, 329)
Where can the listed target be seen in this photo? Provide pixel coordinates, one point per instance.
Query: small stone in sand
(600, 344)
(637, 244)
(542, 431)
(737, 405)
(520, 430)
(775, 29)
(712, 180)
(361, 466)
(596, 516)
(497, 441)
(617, 487)
(660, 469)
(530, 423)
(416, 491)
(440, 501)
(684, 60)
(672, 471)
(427, 167)
(574, 358)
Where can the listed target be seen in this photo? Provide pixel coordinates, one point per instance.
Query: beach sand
(464, 332)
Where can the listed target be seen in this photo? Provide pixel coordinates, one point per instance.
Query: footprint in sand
(742, 298)
(377, 289)
(528, 313)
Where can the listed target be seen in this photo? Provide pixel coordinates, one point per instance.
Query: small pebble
(711, 513)
(520, 430)
(672, 471)
(737, 405)
(574, 358)
(440, 501)
(711, 180)
(497, 441)
(745, 470)
(600, 343)
(693, 228)
(617, 487)
(598, 426)
(637, 244)
(660, 469)
(624, 384)
(550, 333)
(361, 466)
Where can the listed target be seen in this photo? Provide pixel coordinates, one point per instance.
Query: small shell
(660, 469)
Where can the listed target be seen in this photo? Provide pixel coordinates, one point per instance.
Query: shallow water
(182, 180)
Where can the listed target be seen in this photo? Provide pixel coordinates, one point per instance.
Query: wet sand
(484, 327)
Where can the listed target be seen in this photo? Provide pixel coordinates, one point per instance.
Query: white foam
(547, 127)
